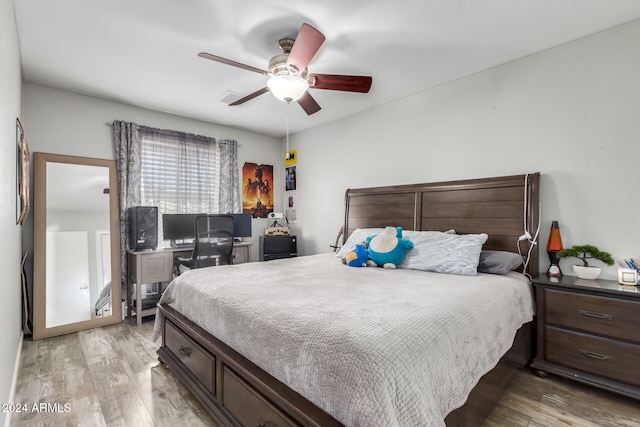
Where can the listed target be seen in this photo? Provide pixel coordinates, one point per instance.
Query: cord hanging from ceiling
(287, 140)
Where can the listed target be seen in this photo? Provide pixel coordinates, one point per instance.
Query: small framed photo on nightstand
(627, 276)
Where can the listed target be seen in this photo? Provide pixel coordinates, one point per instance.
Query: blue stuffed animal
(357, 257)
(387, 249)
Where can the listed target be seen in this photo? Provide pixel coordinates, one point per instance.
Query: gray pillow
(444, 252)
(498, 262)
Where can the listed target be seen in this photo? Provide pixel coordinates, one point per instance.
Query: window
(180, 173)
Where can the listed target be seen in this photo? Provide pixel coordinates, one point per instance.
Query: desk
(146, 267)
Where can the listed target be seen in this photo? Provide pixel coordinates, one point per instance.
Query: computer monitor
(241, 225)
(179, 227)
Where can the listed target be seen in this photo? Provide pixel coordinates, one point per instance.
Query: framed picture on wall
(23, 171)
(291, 206)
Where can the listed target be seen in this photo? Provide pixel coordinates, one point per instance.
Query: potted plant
(584, 253)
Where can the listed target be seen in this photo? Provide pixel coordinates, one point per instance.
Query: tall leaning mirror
(76, 245)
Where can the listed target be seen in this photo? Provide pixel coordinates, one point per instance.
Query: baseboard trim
(14, 380)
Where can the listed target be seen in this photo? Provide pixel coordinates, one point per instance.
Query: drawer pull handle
(596, 315)
(593, 355)
(185, 351)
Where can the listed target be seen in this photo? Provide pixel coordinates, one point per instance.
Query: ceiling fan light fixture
(287, 88)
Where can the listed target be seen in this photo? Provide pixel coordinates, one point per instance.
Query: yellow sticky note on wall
(290, 157)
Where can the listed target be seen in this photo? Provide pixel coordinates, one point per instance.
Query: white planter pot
(586, 272)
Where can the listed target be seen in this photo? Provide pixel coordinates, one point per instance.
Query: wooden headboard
(495, 206)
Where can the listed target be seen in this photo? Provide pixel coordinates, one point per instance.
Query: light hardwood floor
(111, 376)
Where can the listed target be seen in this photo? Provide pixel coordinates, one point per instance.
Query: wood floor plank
(538, 411)
(133, 350)
(168, 400)
(84, 412)
(111, 377)
(111, 383)
(96, 345)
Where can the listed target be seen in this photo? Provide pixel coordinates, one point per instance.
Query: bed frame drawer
(604, 357)
(199, 362)
(611, 317)
(248, 406)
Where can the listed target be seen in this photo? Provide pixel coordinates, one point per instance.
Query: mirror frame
(40, 329)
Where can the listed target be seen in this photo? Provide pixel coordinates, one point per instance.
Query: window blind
(178, 172)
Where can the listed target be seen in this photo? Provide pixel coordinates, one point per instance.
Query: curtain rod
(239, 145)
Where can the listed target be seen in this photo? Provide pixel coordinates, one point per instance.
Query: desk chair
(213, 243)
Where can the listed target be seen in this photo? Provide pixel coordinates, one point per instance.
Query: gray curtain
(127, 142)
(229, 187)
(226, 197)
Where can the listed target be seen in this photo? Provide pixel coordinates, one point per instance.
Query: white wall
(10, 109)
(570, 113)
(67, 123)
(90, 223)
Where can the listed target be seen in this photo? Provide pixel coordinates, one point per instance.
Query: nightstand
(589, 331)
(277, 247)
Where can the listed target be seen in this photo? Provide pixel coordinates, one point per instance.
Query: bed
(334, 345)
(104, 300)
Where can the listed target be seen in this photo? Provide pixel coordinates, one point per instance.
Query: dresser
(589, 331)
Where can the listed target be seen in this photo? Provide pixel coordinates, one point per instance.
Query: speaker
(143, 227)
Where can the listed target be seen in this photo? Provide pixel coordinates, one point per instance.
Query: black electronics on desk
(277, 247)
(179, 229)
(143, 227)
(241, 225)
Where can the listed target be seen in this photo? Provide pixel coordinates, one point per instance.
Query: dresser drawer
(248, 406)
(599, 356)
(615, 318)
(196, 359)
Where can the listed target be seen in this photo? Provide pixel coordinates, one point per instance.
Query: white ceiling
(77, 188)
(144, 52)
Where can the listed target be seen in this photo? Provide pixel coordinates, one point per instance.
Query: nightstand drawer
(599, 356)
(614, 318)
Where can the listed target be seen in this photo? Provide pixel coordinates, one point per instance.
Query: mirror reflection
(76, 245)
(78, 250)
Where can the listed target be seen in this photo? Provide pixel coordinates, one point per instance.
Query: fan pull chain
(287, 140)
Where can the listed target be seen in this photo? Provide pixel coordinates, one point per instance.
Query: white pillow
(359, 235)
(444, 252)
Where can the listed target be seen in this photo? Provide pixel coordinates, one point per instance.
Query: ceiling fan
(288, 77)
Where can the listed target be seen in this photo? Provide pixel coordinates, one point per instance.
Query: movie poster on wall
(290, 178)
(257, 189)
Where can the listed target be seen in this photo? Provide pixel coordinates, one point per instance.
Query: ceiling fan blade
(249, 97)
(308, 104)
(230, 62)
(341, 82)
(305, 47)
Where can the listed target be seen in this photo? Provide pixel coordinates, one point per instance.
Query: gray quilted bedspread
(370, 346)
